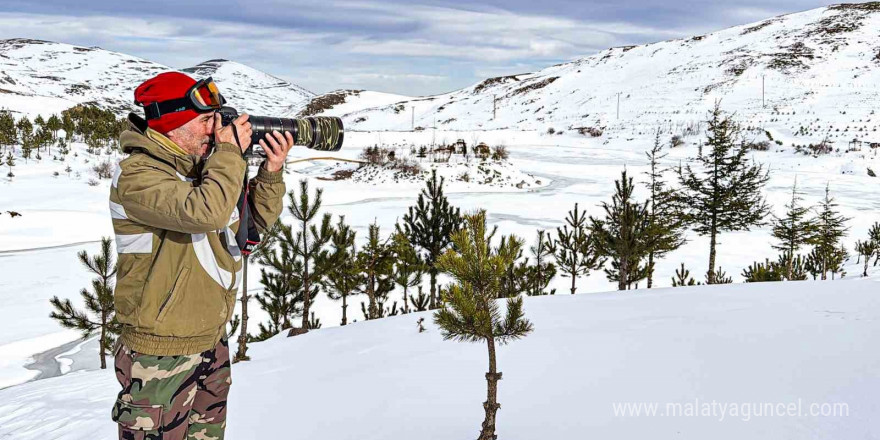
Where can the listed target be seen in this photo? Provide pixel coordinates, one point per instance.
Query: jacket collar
(139, 137)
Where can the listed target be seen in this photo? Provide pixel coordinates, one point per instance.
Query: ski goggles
(203, 97)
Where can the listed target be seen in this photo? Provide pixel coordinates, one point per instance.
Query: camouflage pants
(172, 397)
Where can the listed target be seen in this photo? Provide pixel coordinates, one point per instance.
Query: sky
(417, 47)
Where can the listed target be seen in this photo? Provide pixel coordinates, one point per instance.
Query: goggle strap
(157, 109)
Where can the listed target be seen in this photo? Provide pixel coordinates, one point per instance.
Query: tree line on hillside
(98, 128)
(626, 237)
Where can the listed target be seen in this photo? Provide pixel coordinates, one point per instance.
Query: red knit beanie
(165, 86)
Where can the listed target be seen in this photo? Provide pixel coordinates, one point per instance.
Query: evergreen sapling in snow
(622, 235)
(725, 195)
(282, 291)
(828, 253)
(869, 248)
(429, 224)
(470, 312)
(343, 275)
(376, 263)
(539, 275)
(309, 247)
(408, 266)
(98, 302)
(793, 231)
(666, 220)
(574, 248)
(258, 253)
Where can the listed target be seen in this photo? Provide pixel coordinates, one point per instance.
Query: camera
(322, 133)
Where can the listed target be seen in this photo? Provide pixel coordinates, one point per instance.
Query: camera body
(323, 133)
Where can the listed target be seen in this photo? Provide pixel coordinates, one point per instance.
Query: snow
(775, 342)
(43, 78)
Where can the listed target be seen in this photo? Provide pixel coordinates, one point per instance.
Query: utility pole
(413, 123)
(494, 101)
(763, 105)
(618, 105)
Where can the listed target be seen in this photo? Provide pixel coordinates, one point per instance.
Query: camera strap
(247, 237)
(237, 143)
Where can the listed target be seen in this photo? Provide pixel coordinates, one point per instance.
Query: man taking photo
(177, 205)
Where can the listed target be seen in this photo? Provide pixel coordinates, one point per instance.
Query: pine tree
(797, 264)
(830, 230)
(98, 302)
(7, 129)
(869, 248)
(515, 279)
(720, 277)
(726, 194)
(282, 294)
(27, 145)
(429, 225)
(54, 124)
(539, 275)
(258, 253)
(470, 312)
(10, 162)
(666, 221)
(794, 230)
(408, 266)
(575, 252)
(622, 235)
(314, 323)
(375, 261)
(420, 302)
(25, 129)
(309, 246)
(343, 275)
(68, 125)
(683, 278)
(763, 272)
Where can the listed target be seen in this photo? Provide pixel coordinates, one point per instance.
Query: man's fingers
(270, 153)
(279, 138)
(271, 138)
(289, 137)
(241, 119)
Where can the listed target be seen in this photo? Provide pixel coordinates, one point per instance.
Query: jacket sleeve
(267, 191)
(154, 197)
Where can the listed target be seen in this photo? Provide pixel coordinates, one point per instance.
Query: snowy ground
(800, 344)
(62, 215)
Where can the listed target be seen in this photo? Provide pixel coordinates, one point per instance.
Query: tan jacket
(175, 219)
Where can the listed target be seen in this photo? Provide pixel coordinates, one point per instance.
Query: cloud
(410, 47)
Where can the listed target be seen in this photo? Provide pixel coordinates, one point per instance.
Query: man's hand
(276, 147)
(225, 134)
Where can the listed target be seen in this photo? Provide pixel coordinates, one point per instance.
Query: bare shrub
(591, 131)
(499, 152)
(376, 155)
(103, 170)
(342, 174)
(676, 141)
(407, 167)
(758, 146)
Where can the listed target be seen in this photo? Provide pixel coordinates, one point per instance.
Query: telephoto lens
(322, 133)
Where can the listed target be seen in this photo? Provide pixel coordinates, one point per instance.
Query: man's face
(194, 136)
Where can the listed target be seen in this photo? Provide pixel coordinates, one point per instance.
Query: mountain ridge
(44, 77)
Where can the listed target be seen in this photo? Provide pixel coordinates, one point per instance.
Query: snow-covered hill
(779, 344)
(42, 77)
(820, 70)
